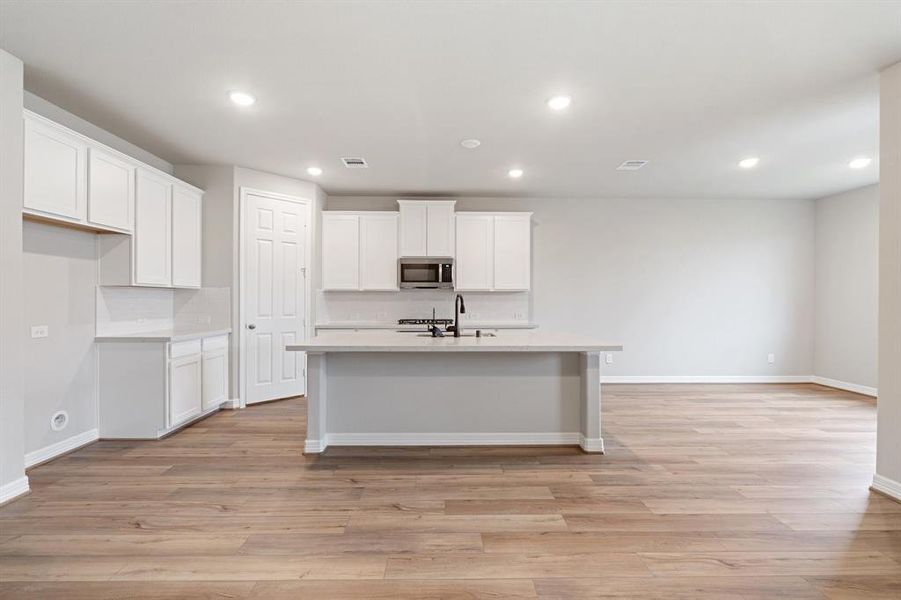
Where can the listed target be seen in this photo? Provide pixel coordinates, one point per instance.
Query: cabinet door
(474, 252)
(413, 220)
(184, 389)
(512, 252)
(153, 231)
(340, 252)
(440, 229)
(215, 378)
(186, 237)
(378, 252)
(55, 171)
(111, 191)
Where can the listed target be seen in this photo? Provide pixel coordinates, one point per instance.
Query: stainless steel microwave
(425, 273)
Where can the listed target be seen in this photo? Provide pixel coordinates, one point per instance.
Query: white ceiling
(691, 86)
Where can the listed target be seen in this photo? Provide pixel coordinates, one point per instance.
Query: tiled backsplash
(387, 307)
(136, 309)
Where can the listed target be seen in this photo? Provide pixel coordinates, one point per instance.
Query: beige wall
(888, 461)
(12, 406)
(847, 284)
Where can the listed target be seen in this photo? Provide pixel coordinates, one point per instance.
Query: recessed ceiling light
(749, 163)
(515, 173)
(471, 143)
(241, 98)
(860, 162)
(559, 102)
(314, 171)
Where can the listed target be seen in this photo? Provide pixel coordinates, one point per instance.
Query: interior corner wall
(888, 436)
(12, 394)
(847, 288)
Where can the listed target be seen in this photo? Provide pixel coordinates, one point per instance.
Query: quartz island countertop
(505, 341)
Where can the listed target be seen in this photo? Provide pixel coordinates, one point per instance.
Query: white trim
(314, 446)
(67, 445)
(887, 486)
(231, 404)
(844, 385)
(14, 489)
(592, 445)
(706, 379)
(452, 439)
(309, 203)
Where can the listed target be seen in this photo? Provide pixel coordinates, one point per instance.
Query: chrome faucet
(459, 307)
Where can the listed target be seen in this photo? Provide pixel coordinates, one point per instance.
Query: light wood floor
(719, 492)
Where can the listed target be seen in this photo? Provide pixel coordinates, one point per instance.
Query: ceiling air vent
(355, 163)
(632, 165)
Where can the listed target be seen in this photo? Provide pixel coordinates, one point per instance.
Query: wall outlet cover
(609, 358)
(771, 358)
(40, 331)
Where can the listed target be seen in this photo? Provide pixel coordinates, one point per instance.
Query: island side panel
(317, 405)
(454, 398)
(591, 403)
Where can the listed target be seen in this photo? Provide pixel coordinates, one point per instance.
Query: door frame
(242, 255)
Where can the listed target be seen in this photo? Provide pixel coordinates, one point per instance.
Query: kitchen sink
(450, 335)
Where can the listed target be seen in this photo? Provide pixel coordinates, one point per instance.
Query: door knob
(251, 326)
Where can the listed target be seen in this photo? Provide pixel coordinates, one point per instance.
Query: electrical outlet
(609, 358)
(771, 358)
(40, 331)
(518, 316)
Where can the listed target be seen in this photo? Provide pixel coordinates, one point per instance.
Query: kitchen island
(393, 388)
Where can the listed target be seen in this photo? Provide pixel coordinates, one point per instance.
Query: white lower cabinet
(184, 389)
(150, 387)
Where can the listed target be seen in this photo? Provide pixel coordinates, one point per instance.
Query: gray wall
(59, 287)
(12, 408)
(847, 287)
(888, 451)
(690, 287)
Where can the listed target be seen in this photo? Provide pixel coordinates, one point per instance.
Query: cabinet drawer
(215, 343)
(187, 348)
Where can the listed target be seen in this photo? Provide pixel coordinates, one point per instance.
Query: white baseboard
(706, 379)
(592, 445)
(887, 486)
(14, 489)
(314, 446)
(452, 439)
(67, 445)
(844, 385)
(232, 404)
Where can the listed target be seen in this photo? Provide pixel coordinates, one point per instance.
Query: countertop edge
(152, 336)
(314, 349)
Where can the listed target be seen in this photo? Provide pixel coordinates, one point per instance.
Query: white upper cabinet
(427, 228)
(55, 171)
(440, 228)
(359, 250)
(493, 251)
(187, 215)
(413, 228)
(474, 252)
(111, 191)
(153, 231)
(378, 251)
(512, 252)
(340, 251)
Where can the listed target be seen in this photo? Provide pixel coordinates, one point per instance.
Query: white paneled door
(273, 292)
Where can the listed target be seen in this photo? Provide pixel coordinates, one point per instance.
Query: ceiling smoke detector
(355, 163)
(632, 165)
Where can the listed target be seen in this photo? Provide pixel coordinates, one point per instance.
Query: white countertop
(345, 325)
(506, 341)
(179, 335)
